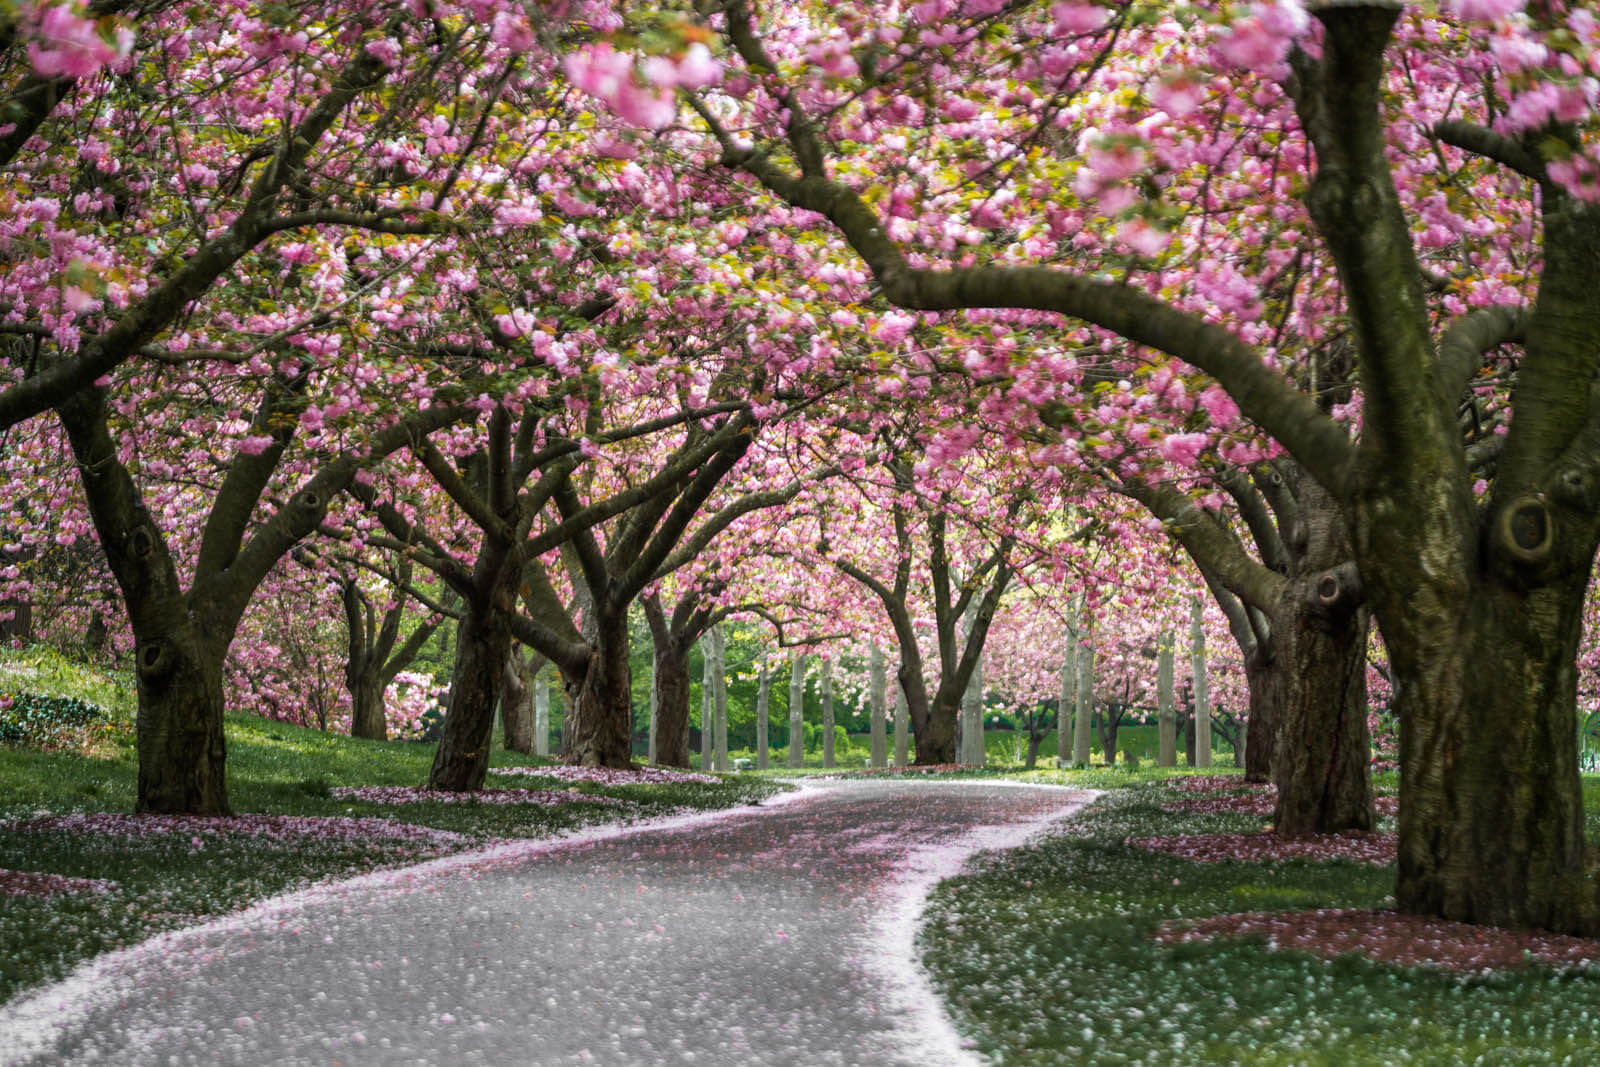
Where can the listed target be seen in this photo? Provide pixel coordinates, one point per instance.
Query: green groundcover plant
(1045, 955)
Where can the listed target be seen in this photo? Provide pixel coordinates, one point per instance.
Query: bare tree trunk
(827, 712)
(708, 729)
(1202, 693)
(603, 712)
(671, 690)
(972, 747)
(797, 708)
(541, 712)
(461, 760)
(902, 732)
(880, 753)
(516, 702)
(719, 650)
(763, 709)
(655, 709)
(1085, 702)
(1166, 706)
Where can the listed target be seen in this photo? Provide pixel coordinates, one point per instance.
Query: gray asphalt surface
(778, 934)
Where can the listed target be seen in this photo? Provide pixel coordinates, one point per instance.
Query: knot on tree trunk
(1525, 529)
(141, 542)
(155, 661)
(1336, 589)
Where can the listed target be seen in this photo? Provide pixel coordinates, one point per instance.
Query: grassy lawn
(171, 879)
(1044, 956)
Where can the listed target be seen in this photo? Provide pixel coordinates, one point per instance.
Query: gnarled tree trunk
(602, 720)
(516, 703)
(483, 642)
(672, 704)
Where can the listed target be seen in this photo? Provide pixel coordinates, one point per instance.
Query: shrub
(46, 721)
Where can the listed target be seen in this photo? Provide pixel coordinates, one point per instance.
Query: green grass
(164, 881)
(1044, 957)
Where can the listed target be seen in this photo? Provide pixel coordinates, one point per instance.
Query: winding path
(772, 934)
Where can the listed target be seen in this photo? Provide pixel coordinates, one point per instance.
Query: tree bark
(367, 718)
(483, 641)
(797, 708)
(827, 712)
(1321, 753)
(651, 750)
(708, 707)
(878, 681)
(719, 649)
(516, 703)
(672, 704)
(541, 712)
(972, 720)
(902, 722)
(1084, 702)
(1166, 706)
(1202, 692)
(763, 710)
(603, 706)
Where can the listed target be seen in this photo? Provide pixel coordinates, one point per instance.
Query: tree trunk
(902, 722)
(827, 712)
(1484, 659)
(1313, 675)
(1110, 723)
(367, 718)
(483, 641)
(933, 723)
(180, 639)
(1166, 705)
(182, 750)
(719, 695)
(1322, 765)
(1266, 674)
(1084, 703)
(879, 684)
(1033, 750)
(707, 727)
(603, 706)
(516, 703)
(797, 708)
(763, 709)
(1202, 692)
(972, 748)
(672, 704)
(541, 712)
(652, 753)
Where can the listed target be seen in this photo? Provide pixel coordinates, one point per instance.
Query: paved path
(776, 934)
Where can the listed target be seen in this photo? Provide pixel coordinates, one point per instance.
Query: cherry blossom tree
(1477, 582)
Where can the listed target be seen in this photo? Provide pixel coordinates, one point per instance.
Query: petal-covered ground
(782, 933)
(1259, 800)
(408, 794)
(1383, 936)
(267, 827)
(1390, 937)
(31, 884)
(1351, 845)
(608, 775)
